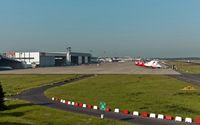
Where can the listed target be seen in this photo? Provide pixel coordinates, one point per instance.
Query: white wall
(79, 60)
(28, 57)
(86, 59)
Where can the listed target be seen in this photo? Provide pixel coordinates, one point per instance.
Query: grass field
(158, 94)
(185, 67)
(13, 84)
(23, 113)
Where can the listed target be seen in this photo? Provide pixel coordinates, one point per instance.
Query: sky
(145, 28)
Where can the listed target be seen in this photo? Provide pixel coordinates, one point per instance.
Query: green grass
(185, 67)
(13, 84)
(158, 94)
(23, 113)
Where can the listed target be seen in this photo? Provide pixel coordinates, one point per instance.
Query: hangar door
(74, 60)
(46, 61)
(60, 61)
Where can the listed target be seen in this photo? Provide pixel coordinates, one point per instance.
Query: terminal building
(48, 59)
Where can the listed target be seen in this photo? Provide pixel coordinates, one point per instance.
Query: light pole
(68, 55)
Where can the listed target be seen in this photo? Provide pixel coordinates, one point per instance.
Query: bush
(2, 95)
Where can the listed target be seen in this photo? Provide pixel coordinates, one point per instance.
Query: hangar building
(46, 59)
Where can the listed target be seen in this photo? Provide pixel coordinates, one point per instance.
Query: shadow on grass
(135, 94)
(187, 94)
(17, 114)
(179, 109)
(13, 123)
(13, 114)
(15, 106)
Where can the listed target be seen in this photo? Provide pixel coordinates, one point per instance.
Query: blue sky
(147, 28)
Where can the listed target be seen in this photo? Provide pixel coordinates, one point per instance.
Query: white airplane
(151, 64)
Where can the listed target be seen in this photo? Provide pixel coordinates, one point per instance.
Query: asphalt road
(190, 78)
(36, 96)
(195, 63)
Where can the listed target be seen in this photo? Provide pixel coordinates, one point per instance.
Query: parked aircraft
(151, 64)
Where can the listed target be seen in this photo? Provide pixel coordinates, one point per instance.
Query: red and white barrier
(69, 102)
(62, 100)
(178, 119)
(81, 105)
(145, 114)
(197, 121)
(76, 104)
(136, 113)
(188, 120)
(169, 117)
(89, 106)
(95, 107)
(52, 98)
(108, 109)
(84, 105)
(152, 115)
(116, 110)
(126, 111)
(160, 116)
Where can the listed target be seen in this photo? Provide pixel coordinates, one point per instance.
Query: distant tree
(2, 95)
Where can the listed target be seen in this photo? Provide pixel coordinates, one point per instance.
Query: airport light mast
(68, 56)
